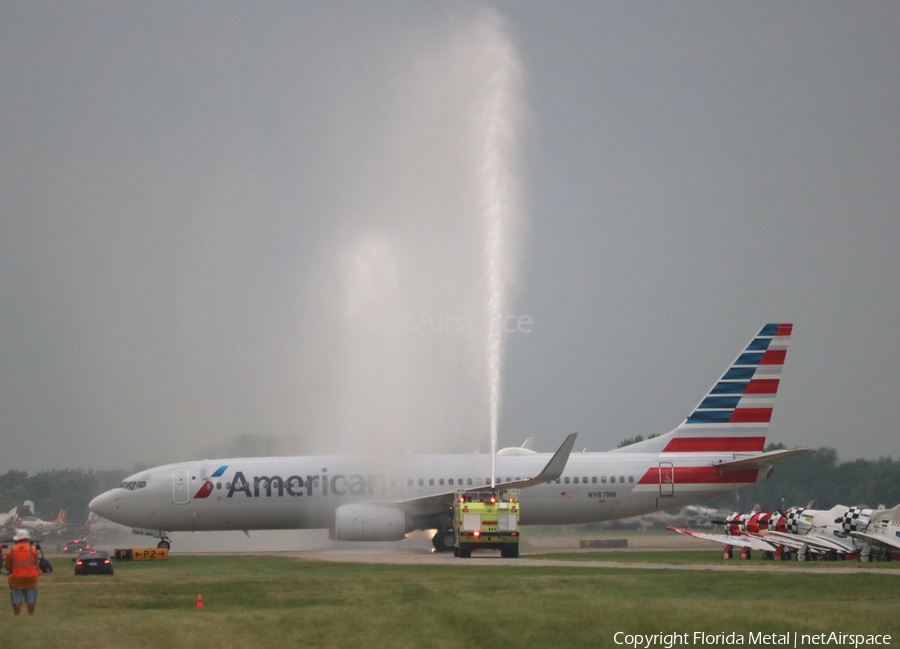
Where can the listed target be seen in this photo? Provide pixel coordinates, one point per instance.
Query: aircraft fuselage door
(180, 493)
(666, 479)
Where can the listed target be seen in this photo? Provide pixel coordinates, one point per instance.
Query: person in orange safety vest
(22, 563)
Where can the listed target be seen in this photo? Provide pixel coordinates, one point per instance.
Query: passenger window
(631, 478)
(584, 479)
(450, 481)
(430, 482)
(421, 482)
(567, 480)
(575, 480)
(594, 479)
(441, 481)
(621, 478)
(603, 479)
(469, 481)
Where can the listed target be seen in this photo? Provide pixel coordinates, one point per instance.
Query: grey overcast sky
(199, 198)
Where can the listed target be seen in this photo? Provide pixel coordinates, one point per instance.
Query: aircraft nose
(104, 505)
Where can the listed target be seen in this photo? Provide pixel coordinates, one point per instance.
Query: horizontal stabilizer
(758, 461)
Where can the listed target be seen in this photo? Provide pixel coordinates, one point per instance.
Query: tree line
(50, 491)
(818, 477)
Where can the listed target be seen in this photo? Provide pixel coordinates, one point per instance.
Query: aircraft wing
(439, 503)
(813, 540)
(744, 541)
(758, 461)
(880, 540)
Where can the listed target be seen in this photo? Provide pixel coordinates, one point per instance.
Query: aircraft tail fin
(61, 517)
(11, 517)
(734, 415)
(882, 514)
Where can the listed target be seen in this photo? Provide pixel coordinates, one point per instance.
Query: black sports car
(95, 562)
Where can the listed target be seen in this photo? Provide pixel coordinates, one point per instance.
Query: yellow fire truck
(486, 520)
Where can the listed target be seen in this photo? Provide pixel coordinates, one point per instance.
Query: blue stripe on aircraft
(753, 358)
(220, 471)
(719, 402)
(759, 344)
(709, 417)
(729, 387)
(736, 373)
(769, 329)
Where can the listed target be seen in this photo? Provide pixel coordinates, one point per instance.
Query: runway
(314, 545)
(417, 550)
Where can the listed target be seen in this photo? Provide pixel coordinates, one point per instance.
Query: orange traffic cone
(199, 601)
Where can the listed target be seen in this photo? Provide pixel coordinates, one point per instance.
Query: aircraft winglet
(438, 503)
(551, 472)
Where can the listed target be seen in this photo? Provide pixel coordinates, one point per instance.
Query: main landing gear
(443, 540)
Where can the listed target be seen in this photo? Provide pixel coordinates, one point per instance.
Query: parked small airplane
(882, 533)
(99, 529)
(717, 449)
(838, 533)
(46, 528)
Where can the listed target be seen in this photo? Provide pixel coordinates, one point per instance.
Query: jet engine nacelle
(367, 522)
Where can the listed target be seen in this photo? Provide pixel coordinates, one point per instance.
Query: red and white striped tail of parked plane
(717, 449)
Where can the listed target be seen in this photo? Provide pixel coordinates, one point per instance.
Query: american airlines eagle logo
(207, 488)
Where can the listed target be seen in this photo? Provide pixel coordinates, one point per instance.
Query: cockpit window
(140, 485)
(131, 486)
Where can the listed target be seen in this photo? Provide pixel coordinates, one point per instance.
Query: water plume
(423, 254)
(499, 126)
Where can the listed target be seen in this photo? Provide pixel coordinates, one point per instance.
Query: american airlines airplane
(717, 449)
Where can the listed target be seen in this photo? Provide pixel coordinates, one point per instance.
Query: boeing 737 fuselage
(717, 449)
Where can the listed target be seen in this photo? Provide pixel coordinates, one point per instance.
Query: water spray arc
(499, 124)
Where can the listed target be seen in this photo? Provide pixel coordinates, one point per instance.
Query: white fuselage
(305, 492)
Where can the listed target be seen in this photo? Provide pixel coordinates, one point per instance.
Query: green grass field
(270, 601)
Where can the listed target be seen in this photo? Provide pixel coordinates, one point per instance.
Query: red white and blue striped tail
(735, 414)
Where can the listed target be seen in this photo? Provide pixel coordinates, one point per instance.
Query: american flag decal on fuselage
(735, 414)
